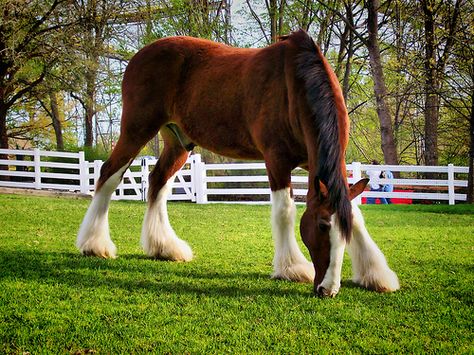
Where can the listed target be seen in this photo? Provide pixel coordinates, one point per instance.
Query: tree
(380, 89)
(271, 18)
(458, 95)
(404, 66)
(371, 42)
(51, 106)
(438, 47)
(28, 33)
(470, 185)
(275, 18)
(96, 18)
(197, 18)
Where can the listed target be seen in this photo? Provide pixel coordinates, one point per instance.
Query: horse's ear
(358, 188)
(322, 189)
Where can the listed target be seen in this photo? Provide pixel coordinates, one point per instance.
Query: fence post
(37, 167)
(357, 175)
(144, 178)
(199, 179)
(83, 173)
(451, 191)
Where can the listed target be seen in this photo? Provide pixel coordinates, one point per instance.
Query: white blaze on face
(332, 279)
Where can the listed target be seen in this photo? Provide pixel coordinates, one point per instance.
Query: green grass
(52, 300)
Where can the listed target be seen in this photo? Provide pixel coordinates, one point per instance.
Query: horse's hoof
(104, 254)
(302, 272)
(323, 292)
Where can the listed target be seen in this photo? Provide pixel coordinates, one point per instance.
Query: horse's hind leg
(369, 267)
(94, 237)
(158, 237)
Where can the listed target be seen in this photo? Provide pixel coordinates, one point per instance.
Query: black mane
(320, 96)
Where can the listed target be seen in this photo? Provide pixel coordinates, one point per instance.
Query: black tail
(321, 99)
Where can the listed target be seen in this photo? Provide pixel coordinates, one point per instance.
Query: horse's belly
(217, 137)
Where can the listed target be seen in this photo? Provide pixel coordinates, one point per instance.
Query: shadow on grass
(138, 273)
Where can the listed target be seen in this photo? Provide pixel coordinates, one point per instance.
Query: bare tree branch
(343, 18)
(255, 16)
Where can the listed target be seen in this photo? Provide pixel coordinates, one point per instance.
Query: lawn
(53, 300)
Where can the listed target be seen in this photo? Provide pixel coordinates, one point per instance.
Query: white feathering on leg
(93, 237)
(158, 237)
(289, 262)
(369, 266)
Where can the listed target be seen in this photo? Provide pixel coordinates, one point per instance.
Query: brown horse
(282, 104)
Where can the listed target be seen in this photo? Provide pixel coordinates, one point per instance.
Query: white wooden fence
(203, 183)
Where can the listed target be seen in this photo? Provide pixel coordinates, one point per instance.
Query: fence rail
(204, 183)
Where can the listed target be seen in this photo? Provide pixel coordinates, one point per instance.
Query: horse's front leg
(289, 263)
(369, 266)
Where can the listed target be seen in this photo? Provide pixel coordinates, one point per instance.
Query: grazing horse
(282, 104)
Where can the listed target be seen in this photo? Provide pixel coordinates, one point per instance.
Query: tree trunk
(386, 131)
(89, 133)
(89, 106)
(281, 12)
(3, 125)
(56, 118)
(272, 12)
(3, 133)
(343, 45)
(348, 68)
(470, 179)
(350, 52)
(431, 88)
(275, 12)
(323, 26)
(306, 20)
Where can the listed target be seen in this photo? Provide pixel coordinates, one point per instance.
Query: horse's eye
(324, 225)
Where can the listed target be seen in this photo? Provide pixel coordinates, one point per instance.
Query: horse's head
(318, 226)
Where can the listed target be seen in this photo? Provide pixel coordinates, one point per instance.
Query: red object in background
(395, 201)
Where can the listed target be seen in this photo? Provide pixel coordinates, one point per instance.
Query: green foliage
(96, 152)
(182, 17)
(55, 301)
(86, 57)
(365, 141)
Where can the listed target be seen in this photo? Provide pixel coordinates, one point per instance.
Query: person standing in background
(387, 174)
(374, 176)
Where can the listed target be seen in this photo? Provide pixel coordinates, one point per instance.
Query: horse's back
(223, 98)
(168, 67)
